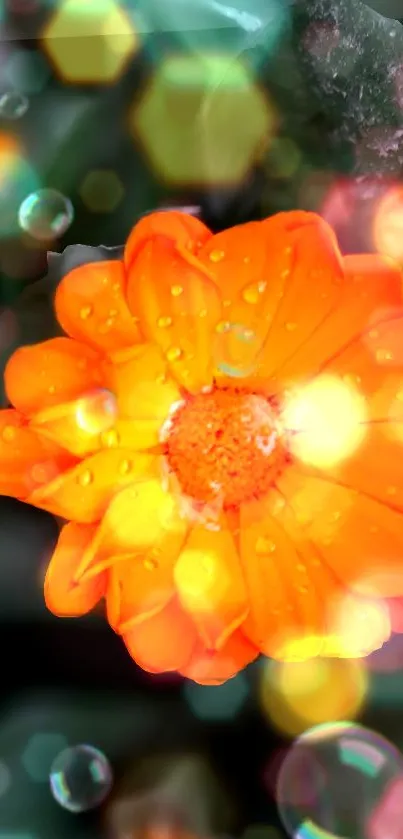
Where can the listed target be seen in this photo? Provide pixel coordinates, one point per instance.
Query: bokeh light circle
(96, 411)
(45, 214)
(340, 779)
(80, 778)
(13, 105)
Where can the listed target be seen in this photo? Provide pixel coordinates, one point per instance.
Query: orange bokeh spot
(225, 444)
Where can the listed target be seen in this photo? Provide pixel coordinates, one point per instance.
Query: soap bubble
(236, 349)
(80, 778)
(45, 214)
(337, 778)
(13, 105)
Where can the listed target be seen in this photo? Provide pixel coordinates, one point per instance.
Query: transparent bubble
(80, 778)
(13, 105)
(45, 214)
(236, 349)
(340, 778)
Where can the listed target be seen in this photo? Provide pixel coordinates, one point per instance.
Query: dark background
(338, 118)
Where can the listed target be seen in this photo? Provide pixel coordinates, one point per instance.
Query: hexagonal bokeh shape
(89, 41)
(202, 120)
(40, 752)
(101, 190)
(218, 702)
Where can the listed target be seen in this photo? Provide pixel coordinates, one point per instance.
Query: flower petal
(140, 558)
(82, 494)
(26, 460)
(358, 539)
(142, 387)
(90, 306)
(187, 232)
(287, 592)
(179, 308)
(371, 291)
(264, 271)
(64, 596)
(163, 642)
(214, 668)
(45, 374)
(210, 584)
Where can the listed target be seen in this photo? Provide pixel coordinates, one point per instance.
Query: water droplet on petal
(391, 490)
(216, 256)
(290, 326)
(384, 355)
(251, 294)
(150, 564)
(9, 433)
(125, 467)
(45, 214)
(163, 322)
(173, 354)
(85, 478)
(110, 438)
(86, 312)
(176, 290)
(265, 545)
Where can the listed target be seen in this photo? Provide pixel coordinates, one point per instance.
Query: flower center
(227, 445)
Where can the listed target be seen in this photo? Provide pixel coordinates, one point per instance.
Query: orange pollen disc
(226, 444)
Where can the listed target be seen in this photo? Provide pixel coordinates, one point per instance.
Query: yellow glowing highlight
(90, 41)
(326, 420)
(202, 120)
(296, 696)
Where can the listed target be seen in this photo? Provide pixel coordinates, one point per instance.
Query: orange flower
(223, 433)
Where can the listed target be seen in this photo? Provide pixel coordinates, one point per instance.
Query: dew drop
(86, 312)
(125, 467)
(45, 214)
(176, 290)
(85, 478)
(110, 438)
(163, 322)
(216, 256)
(173, 354)
(264, 545)
(52, 389)
(290, 326)
(301, 568)
(384, 355)
(150, 564)
(391, 490)
(9, 433)
(251, 294)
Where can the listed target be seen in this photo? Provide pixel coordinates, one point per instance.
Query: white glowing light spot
(326, 421)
